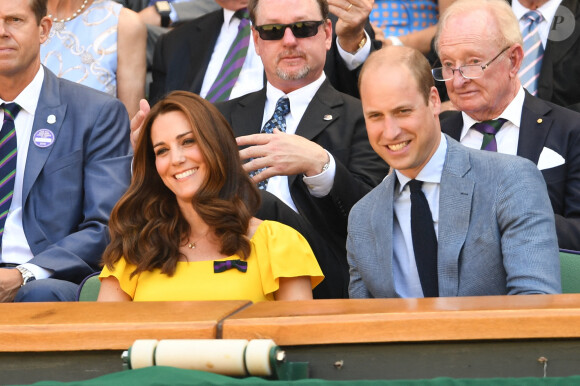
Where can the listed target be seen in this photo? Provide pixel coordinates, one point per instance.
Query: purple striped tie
(489, 129)
(7, 161)
(533, 52)
(232, 65)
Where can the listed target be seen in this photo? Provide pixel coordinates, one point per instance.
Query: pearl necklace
(75, 14)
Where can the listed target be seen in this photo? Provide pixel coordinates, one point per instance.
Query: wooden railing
(37, 327)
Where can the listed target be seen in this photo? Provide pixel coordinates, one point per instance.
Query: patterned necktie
(278, 121)
(233, 62)
(7, 161)
(424, 240)
(489, 129)
(533, 52)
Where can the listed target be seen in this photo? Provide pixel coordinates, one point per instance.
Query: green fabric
(570, 266)
(156, 376)
(90, 289)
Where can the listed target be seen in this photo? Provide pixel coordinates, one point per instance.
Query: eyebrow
(178, 137)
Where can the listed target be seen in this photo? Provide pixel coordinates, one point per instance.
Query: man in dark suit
(480, 48)
(560, 68)
(71, 166)
(323, 163)
(190, 56)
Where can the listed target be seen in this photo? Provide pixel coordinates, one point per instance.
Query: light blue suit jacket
(71, 186)
(496, 230)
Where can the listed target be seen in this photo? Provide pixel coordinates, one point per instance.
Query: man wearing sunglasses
(190, 57)
(317, 159)
(480, 47)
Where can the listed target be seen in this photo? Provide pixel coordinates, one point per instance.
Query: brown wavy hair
(147, 226)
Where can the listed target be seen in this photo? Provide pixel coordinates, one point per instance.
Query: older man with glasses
(481, 51)
(304, 141)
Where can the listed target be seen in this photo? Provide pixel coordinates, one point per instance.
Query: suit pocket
(53, 166)
(555, 175)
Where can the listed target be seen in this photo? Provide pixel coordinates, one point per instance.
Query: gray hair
(509, 28)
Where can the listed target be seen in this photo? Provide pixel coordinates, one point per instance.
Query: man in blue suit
(489, 214)
(72, 166)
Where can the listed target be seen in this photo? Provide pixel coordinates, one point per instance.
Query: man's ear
(434, 100)
(44, 28)
(256, 36)
(516, 57)
(328, 31)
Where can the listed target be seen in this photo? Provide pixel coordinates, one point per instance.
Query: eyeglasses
(468, 71)
(300, 29)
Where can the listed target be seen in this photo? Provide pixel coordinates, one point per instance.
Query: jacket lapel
(452, 125)
(534, 128)
(322, 111)
(382, 217)
(48, 105)
(208, 30)
(248, 113)
(454, 215)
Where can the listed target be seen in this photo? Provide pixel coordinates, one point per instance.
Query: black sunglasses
(300, 29)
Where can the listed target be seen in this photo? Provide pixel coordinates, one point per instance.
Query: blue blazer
(496, 230)
(71, 186)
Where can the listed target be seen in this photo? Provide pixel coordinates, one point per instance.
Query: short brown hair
(414, 60)
(39, 9)
(147, 226)
(253, 4)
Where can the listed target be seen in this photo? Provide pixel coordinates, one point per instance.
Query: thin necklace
(192, 245)
(75, 14)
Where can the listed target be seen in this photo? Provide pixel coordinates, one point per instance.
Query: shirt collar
(28, 98)
(548, 9)
(432, 171)
(513, 113)
(299, 99)
(228, 15)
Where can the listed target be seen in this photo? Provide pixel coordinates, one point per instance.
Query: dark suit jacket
(358, 169)
(71, 186)
(545, 124)
(560, 72)
(182, 55)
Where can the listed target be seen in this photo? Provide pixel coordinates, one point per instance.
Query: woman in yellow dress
(185, 228)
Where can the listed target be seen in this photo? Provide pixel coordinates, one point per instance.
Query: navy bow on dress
(221, 266)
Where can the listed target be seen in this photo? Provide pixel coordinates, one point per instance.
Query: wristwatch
(163, 9)
(27, 275)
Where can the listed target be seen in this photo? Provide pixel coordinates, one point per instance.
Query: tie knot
(415, 185)
(11, 110)
(283, 106)
(242, 14)
(489, 127)
(533, 17)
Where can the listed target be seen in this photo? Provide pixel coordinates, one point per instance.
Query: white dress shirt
(318, 185)
(251, 76)
(405, 274)
(15, 248)
(548, 10)
(508, 135)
